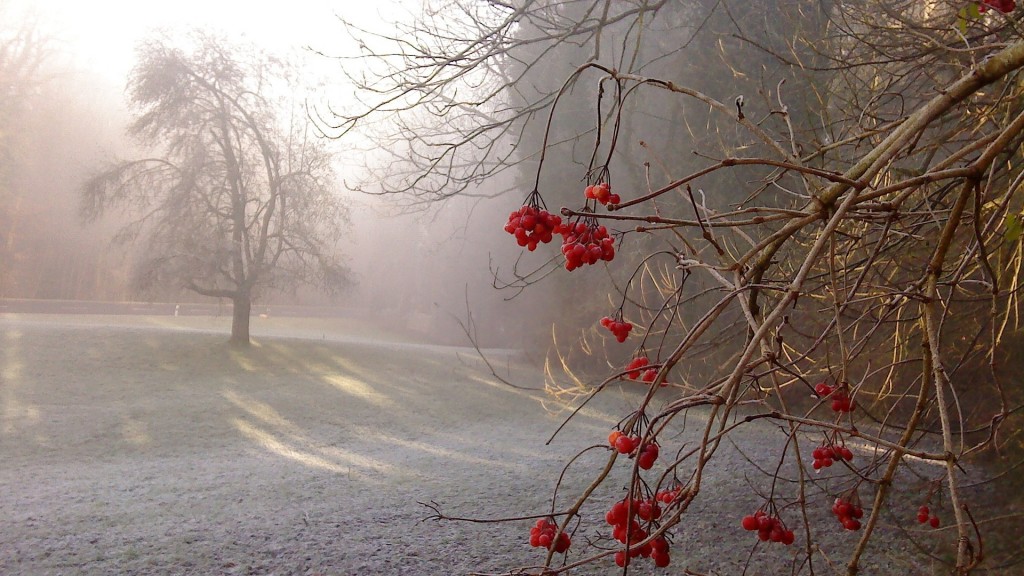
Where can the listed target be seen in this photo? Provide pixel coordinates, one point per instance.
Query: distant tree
(24, 53)
(239, 197)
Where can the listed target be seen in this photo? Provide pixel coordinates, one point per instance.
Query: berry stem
(885, 482)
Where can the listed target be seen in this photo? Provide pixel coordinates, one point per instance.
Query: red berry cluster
(542, 535)
(769, 528)
(648, 510)
(532, 225)
(585, 243)
(622, 443)
(619, 328)
(602, 193)
(848, 513)
(636, 371)
(1004, 6)
(635, 365)
(648, 454)
(826, 454)
(924, 515)
(627, 530)
(841, 401)
(667, 496)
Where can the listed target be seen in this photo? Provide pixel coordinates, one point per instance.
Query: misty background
(424, 253)
(64, 115)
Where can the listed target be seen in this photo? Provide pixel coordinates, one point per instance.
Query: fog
(429, 269)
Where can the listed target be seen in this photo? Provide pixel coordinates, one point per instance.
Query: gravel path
(147, 446)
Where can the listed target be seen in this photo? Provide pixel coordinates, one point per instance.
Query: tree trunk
(240, 310)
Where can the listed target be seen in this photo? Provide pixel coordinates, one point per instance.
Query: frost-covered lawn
(145, 445)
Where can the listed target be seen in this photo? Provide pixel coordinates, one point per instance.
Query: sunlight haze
(102, 35)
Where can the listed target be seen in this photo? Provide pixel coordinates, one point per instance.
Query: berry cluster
(627, 530)
(636, 369)
(924, 515)
(769, 528)
(602, 193)
(532, 225)
(848, 513)
(826, 454)
(635, 365)
(841, 401)
(622, 443)
(585, 243)
(542, 535)
(668, 496)
(619, 328)
(1004, 6)
(647, 455)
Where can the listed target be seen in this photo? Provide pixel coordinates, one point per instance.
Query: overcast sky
(102, 34)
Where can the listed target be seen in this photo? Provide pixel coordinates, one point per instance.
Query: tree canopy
(239, 195)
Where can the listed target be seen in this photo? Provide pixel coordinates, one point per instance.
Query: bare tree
(839, 256)
(236, 198)
(24, 53)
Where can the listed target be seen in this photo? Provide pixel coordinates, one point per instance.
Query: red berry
(613, 437)
(750, 523)
(648, 510)
(621, 559)
(625, 445)
(1004, 6)
(646, 460)
(933, 521)
(646, 550)
(661, 559)
(652, 449)
(619, 533)
(563, 543)
(617, 515)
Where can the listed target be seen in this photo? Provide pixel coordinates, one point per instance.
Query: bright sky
(103, 33)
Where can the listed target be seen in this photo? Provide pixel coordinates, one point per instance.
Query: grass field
(145, 445)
